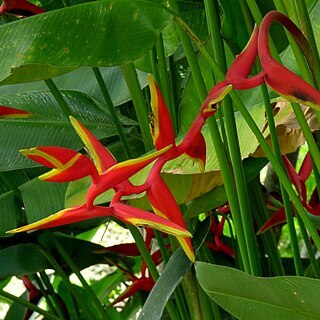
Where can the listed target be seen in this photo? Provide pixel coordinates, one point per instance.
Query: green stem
(313, 261)
(233, 143)
(151, 266)
(261, 216)
(285, 198)
(45, 294)
(59, 97)
(154, 64)
(28, 305)
(112, 111)
(307, 28)
(216, 138)
(190, 289)
(278, 168)
(193, 63)
(256, 131)
(80, 300)
(205, 305)
(53, 294)
(303, 66)
(162, 246)
(292, 235)
(212, 14)
(90, 294)
(175, 90)
(130, 75)
(206, 256)
(307, 134)
(66, 3)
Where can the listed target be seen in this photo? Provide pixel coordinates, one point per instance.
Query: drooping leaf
(22, 259)
(94, 34)
(248, 297)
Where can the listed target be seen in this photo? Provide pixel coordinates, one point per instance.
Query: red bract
(299, 181)
(7, 112)
(20, 8)
(216, 230)
(279, 78)
(34, 295)
(273, 73)
(106, 173)
(68, 165)
(160, 122)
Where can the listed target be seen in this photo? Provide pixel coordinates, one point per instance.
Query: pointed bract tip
(214, 98)
(187, 247)
(8, 112)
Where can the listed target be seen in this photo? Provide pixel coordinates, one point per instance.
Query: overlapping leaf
(101, 33)
(47, 125)
(248, 297)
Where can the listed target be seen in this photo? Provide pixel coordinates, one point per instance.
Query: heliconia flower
(20, 7)
(101, 157)
(144, 218)
(68, 165)
(293, 88)
(214, 99)
(160, 122)
(120, 211)
(127, 249)
(193, 144)
(66, 216)
(238, 73)
(216, 229)
(277, 218)
(299, 181)
(34, 295)
(138, 284)
(7, 112)
(119, 173)
(166, 206)
(237, 77)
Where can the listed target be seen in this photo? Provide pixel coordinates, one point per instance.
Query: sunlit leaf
(247, 297)
(94, 34)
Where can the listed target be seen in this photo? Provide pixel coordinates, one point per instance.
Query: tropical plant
(119, 99)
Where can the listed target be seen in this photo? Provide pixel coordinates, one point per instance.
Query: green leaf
(83, 80)
(9, 213)
(210, 200)
(248, 297)
(16, 310)
(171, 276)
(42, 198)
(100, 33)
(22, 259)
(47, 125)
(83, 253)
(233, 27)
(244, 134)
